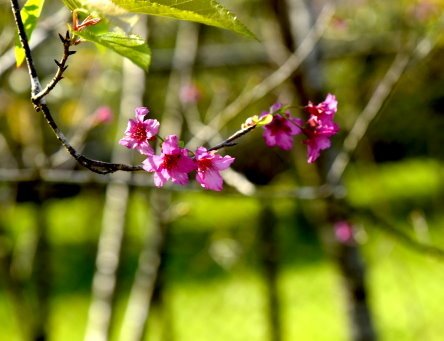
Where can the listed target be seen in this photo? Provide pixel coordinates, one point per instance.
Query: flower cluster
(175, 163)
(318, 128)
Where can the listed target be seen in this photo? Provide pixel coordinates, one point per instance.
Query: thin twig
(61, 68)
(96, 166)
(229, 142)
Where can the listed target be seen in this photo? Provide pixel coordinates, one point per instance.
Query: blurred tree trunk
(101, 310)
(149, 280)
(161, 203)
(295, 18)
(353, 270)
(11, 283)
(42, 272)
(26, 269)
(269, 253)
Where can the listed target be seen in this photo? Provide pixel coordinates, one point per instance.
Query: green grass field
(215, 289)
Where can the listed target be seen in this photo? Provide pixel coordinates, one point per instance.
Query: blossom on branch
(172, 164)
(209, 165)
(175, 163)
(325, 109)
(140, 131)
(282, 128)
(320, 127)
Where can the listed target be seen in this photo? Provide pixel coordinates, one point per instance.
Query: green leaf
(30, 14)
(72, 4)
(208, 12)
(132, 46)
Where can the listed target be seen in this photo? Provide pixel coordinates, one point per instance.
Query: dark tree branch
(38, 100)
(36, 87)
(96, 166)
(61, 68)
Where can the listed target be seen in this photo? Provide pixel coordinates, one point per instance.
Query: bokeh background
(347, 248)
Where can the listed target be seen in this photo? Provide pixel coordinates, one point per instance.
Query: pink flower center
(139, 133)
(279, 125)
(313, 122)
(205, 164)
(170, 161)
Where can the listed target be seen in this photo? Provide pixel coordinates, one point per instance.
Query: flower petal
(171, 145)
(141, 112)
(178, 177)
(221, 163)
(210, 179)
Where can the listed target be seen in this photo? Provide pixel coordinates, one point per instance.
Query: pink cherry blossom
(102, 115)
(314, 146)
(209, 165)
(172, 164)
(320, 126)
(140, 131)
(281, 130)
(325, 109)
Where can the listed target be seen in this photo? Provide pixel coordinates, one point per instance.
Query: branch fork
(67, 41)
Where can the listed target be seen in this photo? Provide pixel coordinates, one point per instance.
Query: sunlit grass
(405, 289)
(215, 287)
(405, 295)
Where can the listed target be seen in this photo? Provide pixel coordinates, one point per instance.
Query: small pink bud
(190, 94)
(344, 232)
(103, 115)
